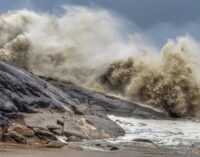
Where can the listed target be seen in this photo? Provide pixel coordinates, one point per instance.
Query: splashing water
(160, 132)
(71, 47)
(168, 81)
(86, 47)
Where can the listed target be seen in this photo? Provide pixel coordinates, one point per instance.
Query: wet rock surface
(40, 111)
(74, 139)
(100, 104)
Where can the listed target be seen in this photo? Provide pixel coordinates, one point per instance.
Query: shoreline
(15, 150)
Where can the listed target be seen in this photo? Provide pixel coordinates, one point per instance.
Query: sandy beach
(70, 153)
(27, 151)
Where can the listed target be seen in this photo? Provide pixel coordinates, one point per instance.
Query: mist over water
(168, 80)
(69, 47)
(87, 47)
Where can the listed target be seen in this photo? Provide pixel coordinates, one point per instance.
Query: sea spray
(81, 43)
(86, 47)
(167, 81)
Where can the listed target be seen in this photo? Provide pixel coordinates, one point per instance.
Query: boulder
(70, 132)
(53, 127)
(21, 129)
(58, 132)
(44, 119)
(45, 135)
(106, 125)
(13, 136)
(74, 139)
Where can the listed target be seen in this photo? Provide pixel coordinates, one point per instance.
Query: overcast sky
(157, 19)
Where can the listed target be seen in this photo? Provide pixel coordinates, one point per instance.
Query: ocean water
(160, 132)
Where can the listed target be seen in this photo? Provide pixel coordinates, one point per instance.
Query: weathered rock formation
(38, 111)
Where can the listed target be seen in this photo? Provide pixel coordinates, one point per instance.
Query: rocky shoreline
(37, 111)
(43, 112)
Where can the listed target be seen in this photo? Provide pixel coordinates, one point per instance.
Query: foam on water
(161, 132)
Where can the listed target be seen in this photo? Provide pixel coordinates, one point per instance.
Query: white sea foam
(161, 132)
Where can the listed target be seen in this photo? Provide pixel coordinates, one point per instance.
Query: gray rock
(40, 104)
(110, 104)
(58, 132)
(107, 125)
(70, 132)
(46, 135)
(97, 111)
(45, 119)
(74, 139)
(60, 122)
(21, 129)
(53, 127)
(79, 109)
(13, 136)
(22, 91)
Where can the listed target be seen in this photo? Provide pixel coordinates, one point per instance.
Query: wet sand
(25, 151)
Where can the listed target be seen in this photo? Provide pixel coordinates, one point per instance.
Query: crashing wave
(86, 47)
